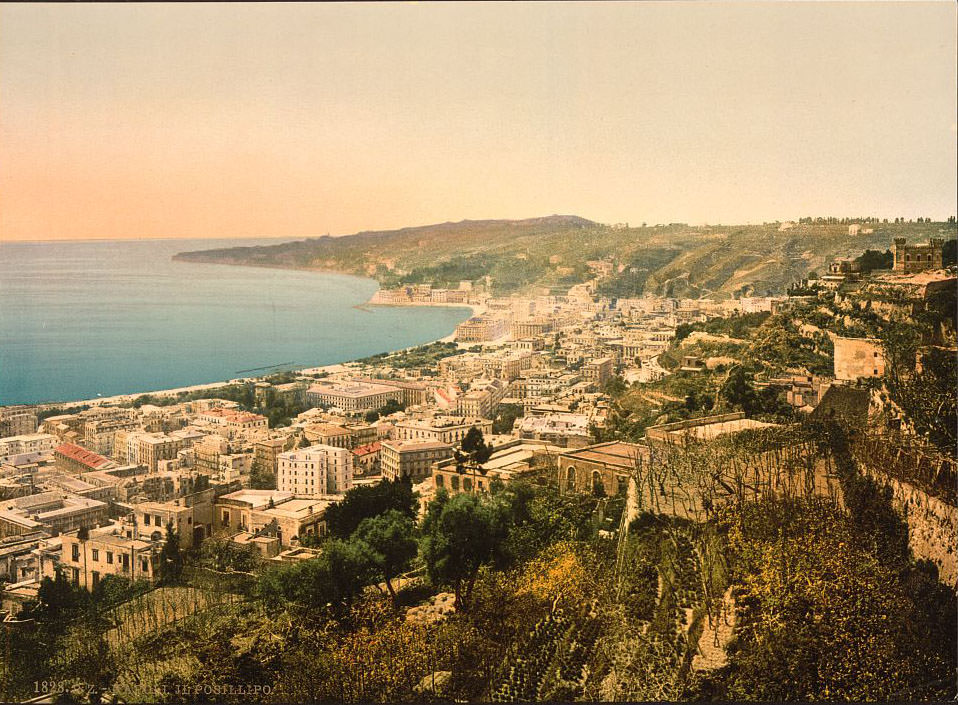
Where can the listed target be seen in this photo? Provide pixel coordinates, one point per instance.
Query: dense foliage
(366, 501)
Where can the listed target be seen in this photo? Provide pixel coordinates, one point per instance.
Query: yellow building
(109, 551)
(412, 459)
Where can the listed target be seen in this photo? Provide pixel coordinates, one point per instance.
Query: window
(145, 565)
(109, 557)
(454, 482)
(570, 478)
(96, 578)
(76, 575)
(226, 518)
(75, 552)
(439, 481)
(96, 554)
(596, 479)
(146, 520)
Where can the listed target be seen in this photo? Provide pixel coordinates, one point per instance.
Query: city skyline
(289, 121)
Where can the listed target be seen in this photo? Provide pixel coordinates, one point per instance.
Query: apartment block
(412, 459)
(50, 512)
(597, 372)
(27, 443)
(441, 429)
(352, 396)
(482, 399)
(315, 471)
(273, 512)
(110, 551)
(17, 421)
(482, 329)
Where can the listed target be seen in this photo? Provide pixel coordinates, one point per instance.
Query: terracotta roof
(367, 449)
(82, 456)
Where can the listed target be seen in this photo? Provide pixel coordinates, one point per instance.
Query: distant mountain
(551, 252)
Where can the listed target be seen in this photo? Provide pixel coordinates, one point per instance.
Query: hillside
(671, 260)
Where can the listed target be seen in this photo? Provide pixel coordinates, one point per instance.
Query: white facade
(28, 443)
(315, 471)
(352, 396)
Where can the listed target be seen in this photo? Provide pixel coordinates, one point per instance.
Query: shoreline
(476, 309)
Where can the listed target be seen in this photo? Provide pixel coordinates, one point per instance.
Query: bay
(86, 318)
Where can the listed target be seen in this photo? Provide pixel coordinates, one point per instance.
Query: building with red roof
(71, 458)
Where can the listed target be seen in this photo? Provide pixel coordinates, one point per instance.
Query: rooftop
(410, 446)
(256, 499)
(82, 455)
(351, 389)
(614, 454)
(367, 449)
(298, 508)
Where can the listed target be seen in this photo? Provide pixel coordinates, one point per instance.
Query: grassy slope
(717, 261)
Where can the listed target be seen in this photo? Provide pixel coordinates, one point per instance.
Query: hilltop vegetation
(668, 260)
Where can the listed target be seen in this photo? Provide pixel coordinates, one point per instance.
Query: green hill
(551, 252)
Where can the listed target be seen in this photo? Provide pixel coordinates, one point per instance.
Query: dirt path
(716, 635)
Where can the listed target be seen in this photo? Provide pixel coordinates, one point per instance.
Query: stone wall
(932, 524)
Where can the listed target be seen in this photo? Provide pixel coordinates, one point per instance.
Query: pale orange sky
(218, 120)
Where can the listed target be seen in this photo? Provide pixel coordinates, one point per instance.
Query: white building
(412, 459)
(442, 429)
(352, 396)
(315, 471)
(27, 443)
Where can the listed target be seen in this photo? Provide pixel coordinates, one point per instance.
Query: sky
(293, 120)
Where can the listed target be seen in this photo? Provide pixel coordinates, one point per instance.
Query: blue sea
(89, 318)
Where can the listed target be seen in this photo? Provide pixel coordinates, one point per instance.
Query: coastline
(476, 309)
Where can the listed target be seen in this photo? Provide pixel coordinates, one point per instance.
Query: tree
(873, 259)
(615, 386)
(331, 581)
(262, 477)
(359, 503)
(114, 589)
(391, 537)
(390, 407)
(171, 560)
(474, 445)
(737, 389)
(224, 556)
(463, 533)
(506, 418)
(949, 253)
(57, 598)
